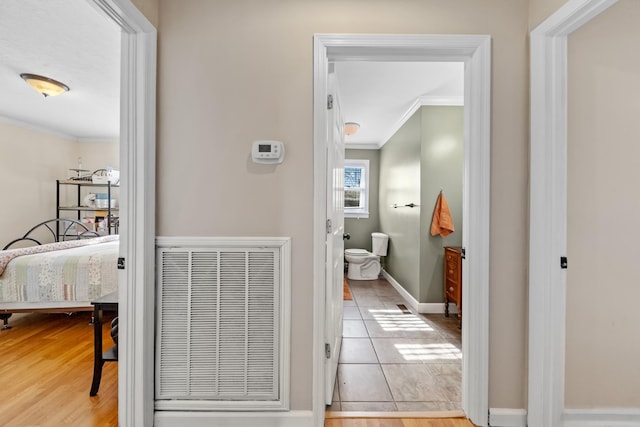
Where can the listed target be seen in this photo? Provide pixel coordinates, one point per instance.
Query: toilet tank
(380, 242)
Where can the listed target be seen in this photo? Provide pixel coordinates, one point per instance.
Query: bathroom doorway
(474, 51)
(395, 332)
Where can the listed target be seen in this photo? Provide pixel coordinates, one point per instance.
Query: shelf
(108, 214)
(85, 208)
(87, 183)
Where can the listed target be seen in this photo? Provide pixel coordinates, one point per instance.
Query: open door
(334, 237)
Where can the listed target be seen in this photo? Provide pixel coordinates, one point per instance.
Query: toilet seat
(357, 252)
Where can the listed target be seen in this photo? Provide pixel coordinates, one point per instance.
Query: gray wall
(400, 184)
(422, 158)
(360, 229)
(442, 169)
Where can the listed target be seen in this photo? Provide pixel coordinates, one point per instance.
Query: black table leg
(97, 350)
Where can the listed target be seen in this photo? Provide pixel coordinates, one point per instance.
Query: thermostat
(269, 152)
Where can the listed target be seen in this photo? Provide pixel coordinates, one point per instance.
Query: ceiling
(381, 96)
(69, 41)
(72, 42)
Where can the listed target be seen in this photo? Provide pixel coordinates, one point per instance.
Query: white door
(335, 232)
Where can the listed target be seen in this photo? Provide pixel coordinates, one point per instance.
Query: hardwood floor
(398, 422)
(46, 368)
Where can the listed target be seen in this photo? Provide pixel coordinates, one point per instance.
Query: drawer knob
(451, 289)
(450, 271)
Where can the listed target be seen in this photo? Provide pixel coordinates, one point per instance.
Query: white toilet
(365, 265)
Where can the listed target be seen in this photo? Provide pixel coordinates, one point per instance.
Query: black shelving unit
(112, 220)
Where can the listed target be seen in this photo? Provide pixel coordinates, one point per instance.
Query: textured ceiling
(69, 41)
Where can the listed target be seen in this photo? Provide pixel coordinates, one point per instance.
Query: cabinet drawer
(452, 289)
(452, 271)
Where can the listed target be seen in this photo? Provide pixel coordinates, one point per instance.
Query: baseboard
(233, 419)
(425, 308)
(601, 417)
(507, 417)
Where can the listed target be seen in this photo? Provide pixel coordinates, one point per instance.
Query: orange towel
(442, 222)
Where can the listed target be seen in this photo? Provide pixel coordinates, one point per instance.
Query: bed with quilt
(62, 276)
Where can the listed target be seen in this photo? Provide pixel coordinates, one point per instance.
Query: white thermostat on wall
(268, 152)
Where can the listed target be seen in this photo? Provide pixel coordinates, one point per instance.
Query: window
(356, 188)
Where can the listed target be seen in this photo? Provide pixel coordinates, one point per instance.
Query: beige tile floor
(395, 360)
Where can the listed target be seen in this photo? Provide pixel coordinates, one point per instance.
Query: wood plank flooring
(398, 422)
(46, 368)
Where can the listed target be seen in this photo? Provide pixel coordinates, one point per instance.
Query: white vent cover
(223, 314)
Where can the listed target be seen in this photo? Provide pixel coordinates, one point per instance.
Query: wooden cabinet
(453, 278)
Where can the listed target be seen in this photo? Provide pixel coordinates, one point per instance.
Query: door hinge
(327, 350)
(329, 102)
(563, 262)
(121, 263)
(463, 253)
(329, 226)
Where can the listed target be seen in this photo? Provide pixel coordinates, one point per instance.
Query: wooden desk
(106, 303)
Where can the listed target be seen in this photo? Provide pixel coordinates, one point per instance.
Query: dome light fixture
(44, 85)
(351, 127)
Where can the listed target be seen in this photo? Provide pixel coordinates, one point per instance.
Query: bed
(63, 276)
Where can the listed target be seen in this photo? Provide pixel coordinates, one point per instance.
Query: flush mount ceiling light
(351, 127)
(44, 85)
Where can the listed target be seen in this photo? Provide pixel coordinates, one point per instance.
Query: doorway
(410, 349)
(137, 223)
(474, 51)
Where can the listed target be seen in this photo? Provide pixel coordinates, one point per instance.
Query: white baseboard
(233, 419)
(506, 417)
(426, 308)
(601, 417)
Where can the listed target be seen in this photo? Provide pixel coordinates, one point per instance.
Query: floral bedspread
(80, 273)
(8, 255)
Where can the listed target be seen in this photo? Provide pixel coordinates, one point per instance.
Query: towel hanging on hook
(442, 221)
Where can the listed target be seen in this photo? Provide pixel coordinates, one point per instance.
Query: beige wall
(539, 10)
(233, 71)
(31, 163)
(149, 9)
(603, 211)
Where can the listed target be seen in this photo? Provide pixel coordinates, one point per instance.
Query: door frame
(137, 222)
(475, 52)
(548, 208)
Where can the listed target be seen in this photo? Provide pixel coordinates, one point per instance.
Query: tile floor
(395, 360)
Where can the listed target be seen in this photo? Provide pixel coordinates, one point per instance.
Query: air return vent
(223, 314)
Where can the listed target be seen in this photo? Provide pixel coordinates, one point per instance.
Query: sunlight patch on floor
(442, 351)
(395, 320)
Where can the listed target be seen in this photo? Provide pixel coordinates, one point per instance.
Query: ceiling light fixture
(350, 128)
(44, 85)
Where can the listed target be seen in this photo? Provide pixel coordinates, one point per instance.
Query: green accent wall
(442, 169)
(400, 178)
(423, 157)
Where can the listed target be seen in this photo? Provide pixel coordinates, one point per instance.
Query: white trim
(505, 417)
(418, 307)
(548, 199)
(602, 417)
(475, 51)
(137, 221)
(234, 419)
(419, 102)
